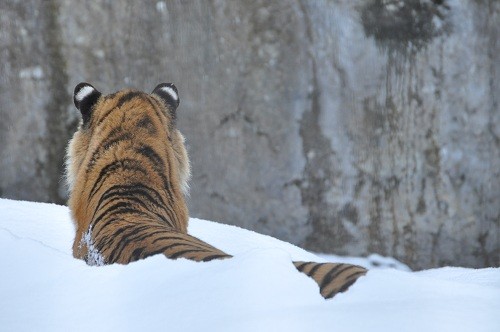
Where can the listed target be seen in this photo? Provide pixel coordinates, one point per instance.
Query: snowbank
(44, 289)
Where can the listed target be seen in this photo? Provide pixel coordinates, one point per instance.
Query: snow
(43, 288)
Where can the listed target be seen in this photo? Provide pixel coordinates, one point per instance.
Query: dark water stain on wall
(403, 25)
(319, 175)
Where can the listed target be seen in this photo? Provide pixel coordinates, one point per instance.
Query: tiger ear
(85, 97)
(169, 95)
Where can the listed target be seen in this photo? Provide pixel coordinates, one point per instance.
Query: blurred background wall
(352, 127)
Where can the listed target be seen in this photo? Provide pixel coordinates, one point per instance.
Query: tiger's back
(128, 171)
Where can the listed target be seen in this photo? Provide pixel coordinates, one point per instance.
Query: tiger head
(135, 115)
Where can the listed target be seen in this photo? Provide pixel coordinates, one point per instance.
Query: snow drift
(44, 288)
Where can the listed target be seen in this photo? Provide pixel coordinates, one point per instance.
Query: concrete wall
(342, 126)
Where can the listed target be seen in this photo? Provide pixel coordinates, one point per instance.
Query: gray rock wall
(342, 126)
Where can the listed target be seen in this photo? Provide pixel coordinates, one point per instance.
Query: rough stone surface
(342, 126)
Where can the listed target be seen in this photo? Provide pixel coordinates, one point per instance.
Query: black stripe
(134, 189)
(110, 141)
(209, 258)
(141, 203)
(332, 274)
(146, 123)
(189, 240)
(122, 100)
(93, 159)
(346, 286)
(125, 164)
(314, 269)
(182, 252)
(101, 120)
(136, 254)
(110, 96)
(170, 238)
(149, 233)
(110, 138)
(128, 96)
(144, 150)
(106, 144)
(125, 136)
(165, 248)
(156, 106)
(125, 240)
(103, 211)
(109, 209)
(98, 150)
(172, 245)
(350, 282)
(130, 193)
(116, 107)
(166, 182)
(327, 278)
(199, 243)
(117, 211)
(158, 165)
(112, 194)
(170, 221)
(356, 275)
(147, 209)
(340, 290)
(140, 189)
(148, 152)
(114, 235)
(302, 266)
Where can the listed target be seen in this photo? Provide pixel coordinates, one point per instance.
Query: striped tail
(332, 278)
(139, 243)
(176, 245)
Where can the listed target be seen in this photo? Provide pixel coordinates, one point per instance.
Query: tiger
(127, 171)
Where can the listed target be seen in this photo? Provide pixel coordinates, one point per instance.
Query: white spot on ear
(170, 91)
(83, 93)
